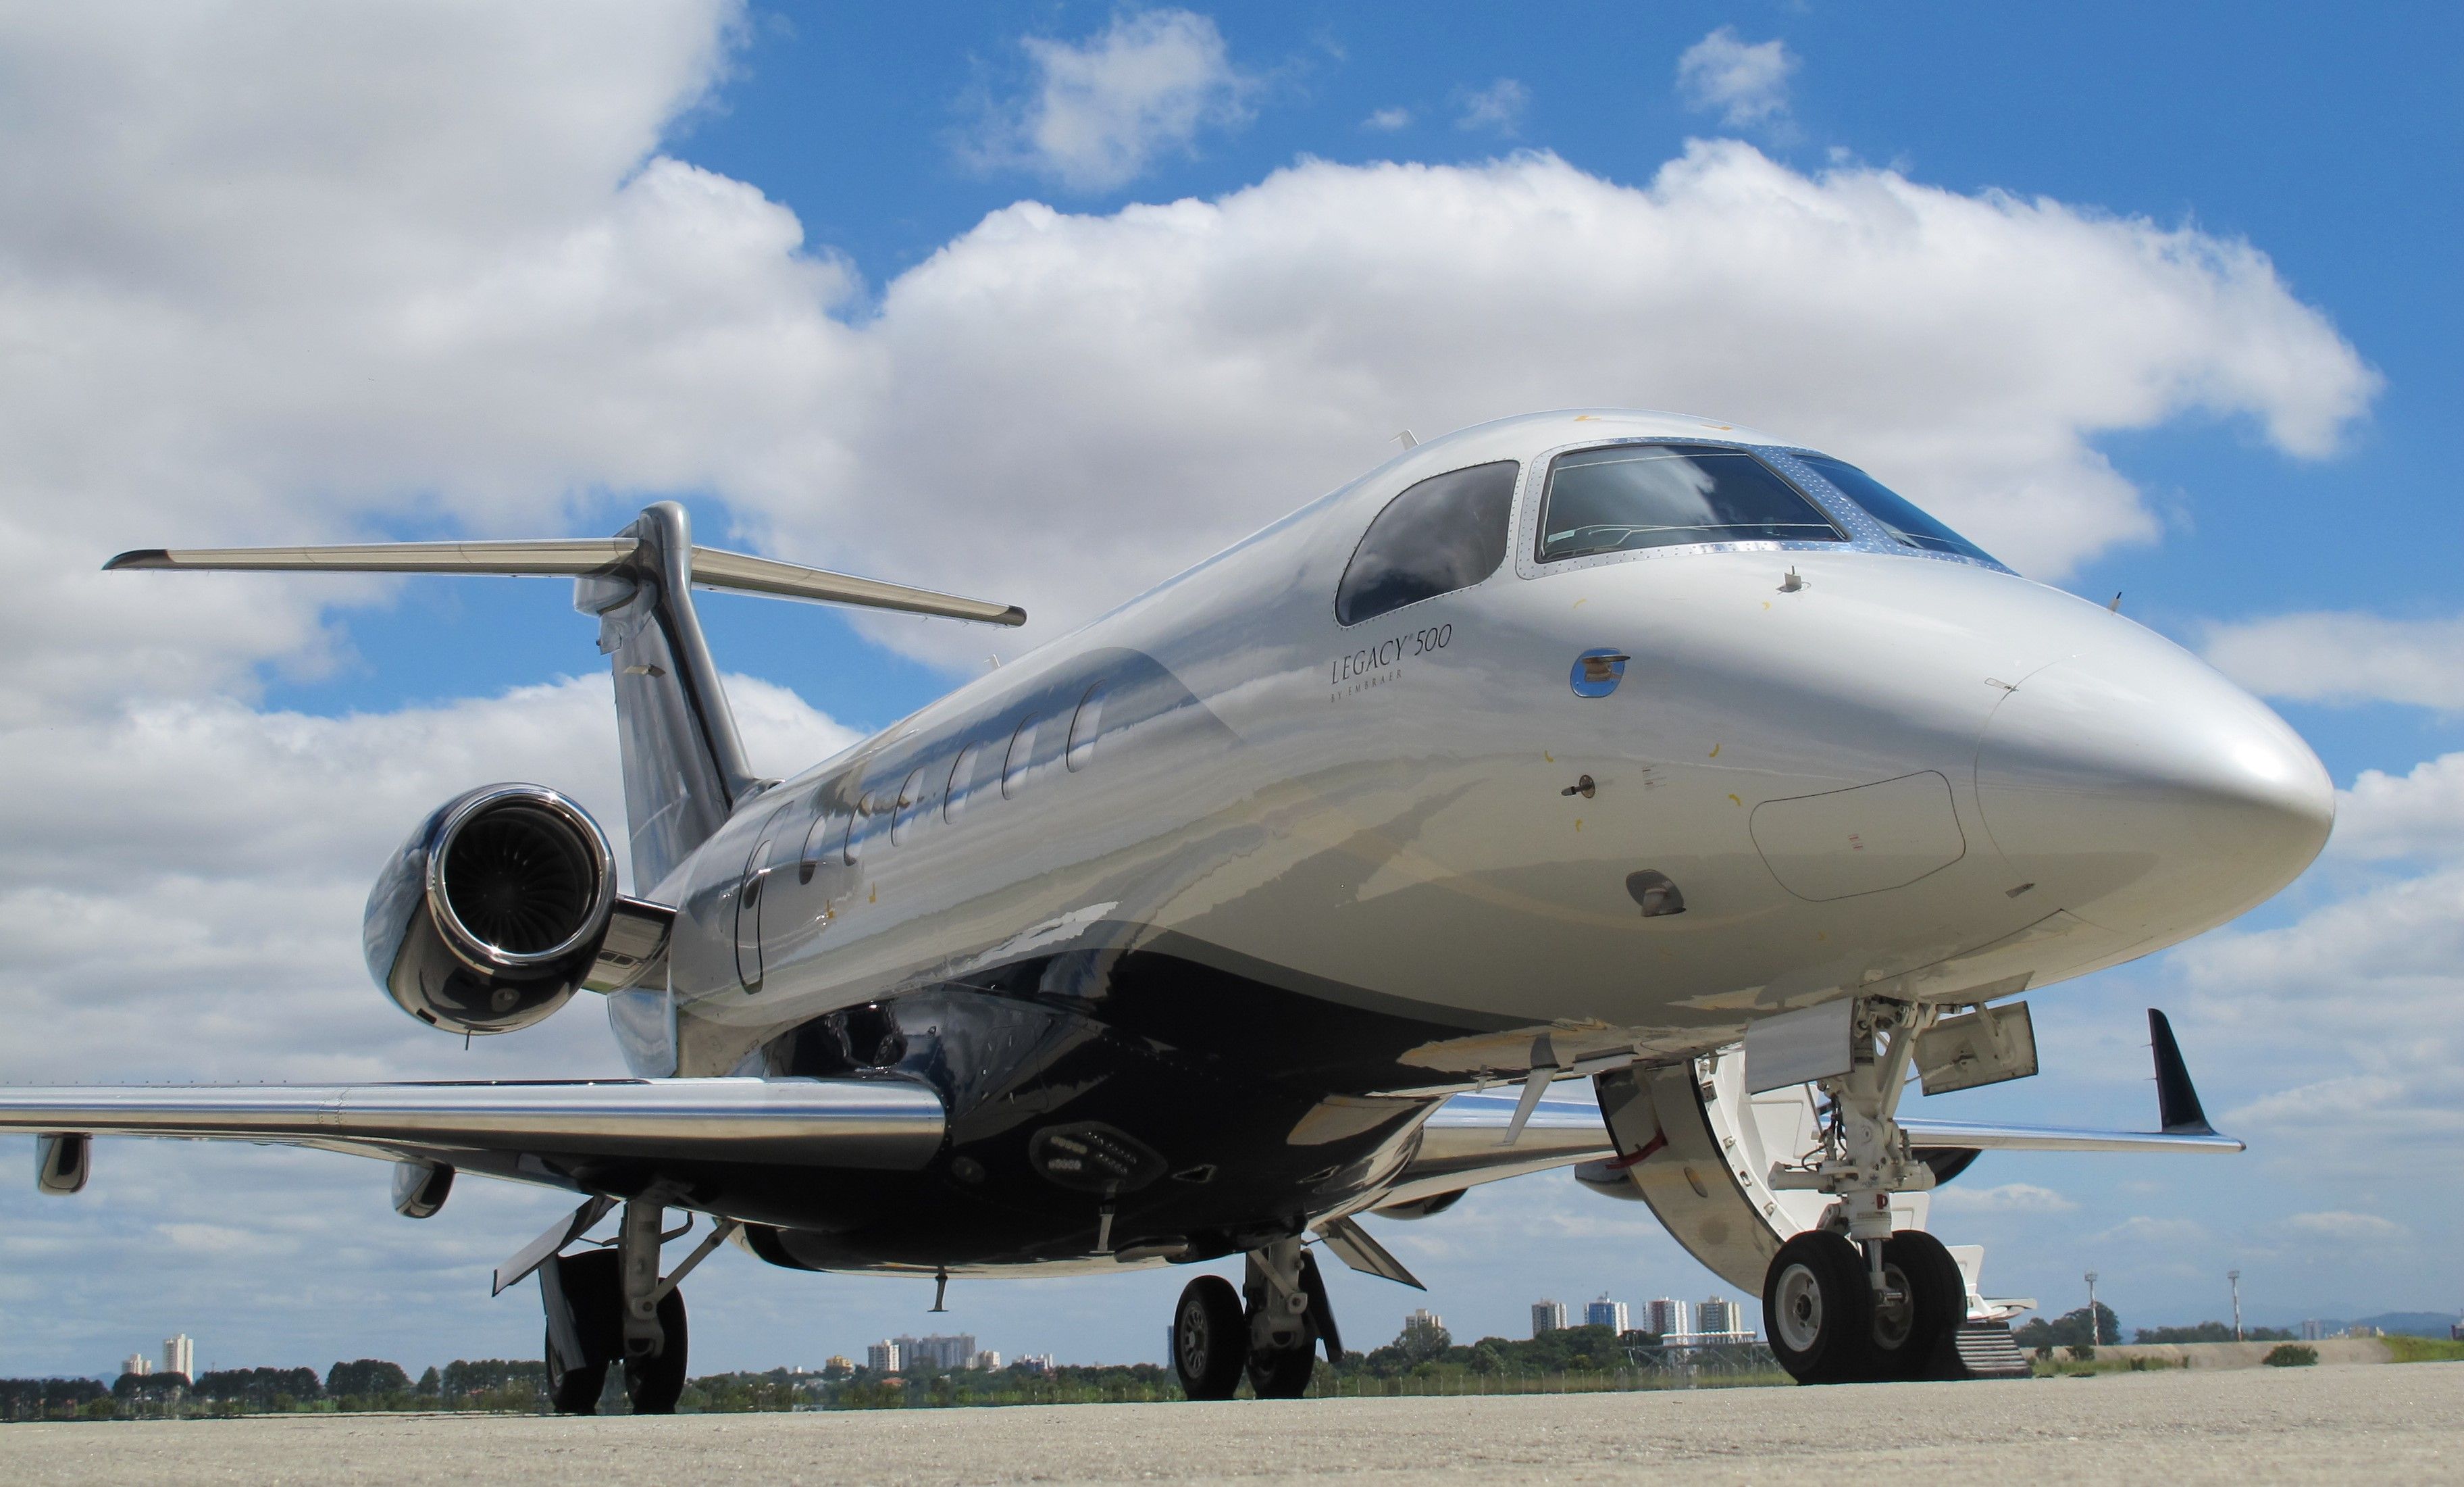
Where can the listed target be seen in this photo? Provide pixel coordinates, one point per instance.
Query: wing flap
(891, 1124)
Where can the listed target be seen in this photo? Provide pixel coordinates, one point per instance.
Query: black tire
(592, 1290)
(1818, 1310)
(1909, 1339)
(1284, 1373)
(1210, 1338)
(652, 1386)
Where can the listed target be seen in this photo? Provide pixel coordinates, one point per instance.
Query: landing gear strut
(1272, 1339)
(609, 1307)
(1853, 1300)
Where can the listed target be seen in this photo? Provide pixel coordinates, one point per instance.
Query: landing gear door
(1706, 1147)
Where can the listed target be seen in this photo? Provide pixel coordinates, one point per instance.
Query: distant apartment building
(1605, 1313)
(1040, 1363)
(937, 1351)
(1666, 1317)
(1718, 1317)
(1548, 1317)
(838, 1365)
(2313, 1329)
(137, 1363)
(884, 1357)
(987, 1360)
(1424, 1327)
(180, 1355)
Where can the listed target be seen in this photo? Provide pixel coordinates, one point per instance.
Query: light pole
(2234, 1276)
(2094, 1326)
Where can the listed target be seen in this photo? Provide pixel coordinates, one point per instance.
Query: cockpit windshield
(1633, 495)
(1895, 511)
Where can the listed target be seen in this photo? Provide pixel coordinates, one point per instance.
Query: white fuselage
(1897, 772)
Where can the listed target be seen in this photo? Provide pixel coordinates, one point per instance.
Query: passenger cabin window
(817, 839)
(962, 781)
(1634, 495)
(911, 805)
(1445, 533)
(1083, 727)
(1903, 516)
(1022, 753)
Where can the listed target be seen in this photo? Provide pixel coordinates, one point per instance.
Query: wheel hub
(1799, 1317)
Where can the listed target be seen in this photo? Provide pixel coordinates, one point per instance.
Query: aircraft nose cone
(2147, 794)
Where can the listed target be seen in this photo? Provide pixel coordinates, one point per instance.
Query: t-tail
(685, 769)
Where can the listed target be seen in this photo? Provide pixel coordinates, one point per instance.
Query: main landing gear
(1854, 1302)
(1272, 1339)
(609, 1307)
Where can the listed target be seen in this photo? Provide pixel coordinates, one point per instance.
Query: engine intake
(493, 912)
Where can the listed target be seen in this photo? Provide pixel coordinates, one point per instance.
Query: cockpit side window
(1634, 495)
(1901, 517)
(1445, 533)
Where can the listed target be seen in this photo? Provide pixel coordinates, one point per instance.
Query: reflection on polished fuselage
(1191, 915)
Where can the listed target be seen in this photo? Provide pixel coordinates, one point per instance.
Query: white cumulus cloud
(1245, 353)
(1498, 107)
(2416, 814)
(1743, 82)
(1098, 112)
(2344, 658)
(2007, 1198)
(2336, 1227)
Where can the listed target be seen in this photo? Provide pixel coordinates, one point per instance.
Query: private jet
(1624, 746)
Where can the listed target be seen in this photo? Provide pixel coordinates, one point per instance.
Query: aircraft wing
(555, 1132)
(1463, 1145)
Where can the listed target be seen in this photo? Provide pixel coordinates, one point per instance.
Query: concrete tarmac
(2396, 1423)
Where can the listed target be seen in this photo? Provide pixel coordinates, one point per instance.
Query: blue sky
(2194, 263)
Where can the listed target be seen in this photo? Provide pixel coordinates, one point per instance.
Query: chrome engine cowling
(493, 913)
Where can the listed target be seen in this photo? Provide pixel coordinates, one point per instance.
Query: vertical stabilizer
(684, 765)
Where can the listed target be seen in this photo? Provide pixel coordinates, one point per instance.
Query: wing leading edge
(528, 1129)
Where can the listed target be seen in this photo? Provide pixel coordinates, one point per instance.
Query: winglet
(2177, 1102)
(140, 558)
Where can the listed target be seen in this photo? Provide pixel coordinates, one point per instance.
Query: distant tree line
(366, 1384)
(2070, 1330)
(496, 1383)
(2210, 1332)
(1431, 1351)
(49, 1398)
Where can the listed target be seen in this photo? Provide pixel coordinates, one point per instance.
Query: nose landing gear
(1829, 1324)
(1854, 1302)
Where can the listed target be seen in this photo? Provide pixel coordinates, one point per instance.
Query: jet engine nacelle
(493, 911)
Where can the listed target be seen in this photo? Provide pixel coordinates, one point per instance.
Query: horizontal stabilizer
(710, 567)
(891, 1124)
